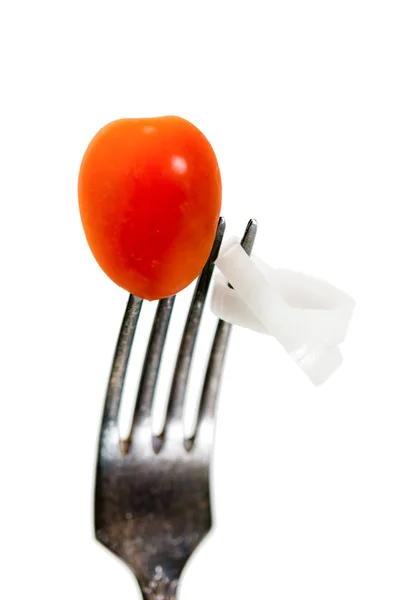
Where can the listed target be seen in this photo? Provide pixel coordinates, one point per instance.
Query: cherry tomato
(150, 198)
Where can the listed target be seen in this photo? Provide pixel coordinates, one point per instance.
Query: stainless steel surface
(152, 498)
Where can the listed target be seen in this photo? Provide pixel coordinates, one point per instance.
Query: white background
(301, 101)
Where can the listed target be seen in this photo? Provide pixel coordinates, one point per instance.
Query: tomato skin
(150, 197)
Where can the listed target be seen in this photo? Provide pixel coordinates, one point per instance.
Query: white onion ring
(308, 316)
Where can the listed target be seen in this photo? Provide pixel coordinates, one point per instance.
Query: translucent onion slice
(308, 316)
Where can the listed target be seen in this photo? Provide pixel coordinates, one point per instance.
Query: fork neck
(156, 596)
(160, 587)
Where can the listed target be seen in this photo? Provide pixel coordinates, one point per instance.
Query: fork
(152, 493)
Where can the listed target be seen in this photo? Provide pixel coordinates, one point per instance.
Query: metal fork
(152, 495)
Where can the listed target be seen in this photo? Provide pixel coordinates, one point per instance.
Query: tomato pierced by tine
(150, 198)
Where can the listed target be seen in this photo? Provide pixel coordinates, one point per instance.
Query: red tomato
(149, 198)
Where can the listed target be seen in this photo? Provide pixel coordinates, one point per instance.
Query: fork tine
(216, 360)
(120, 362)
(151, 364)
(185, 354)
